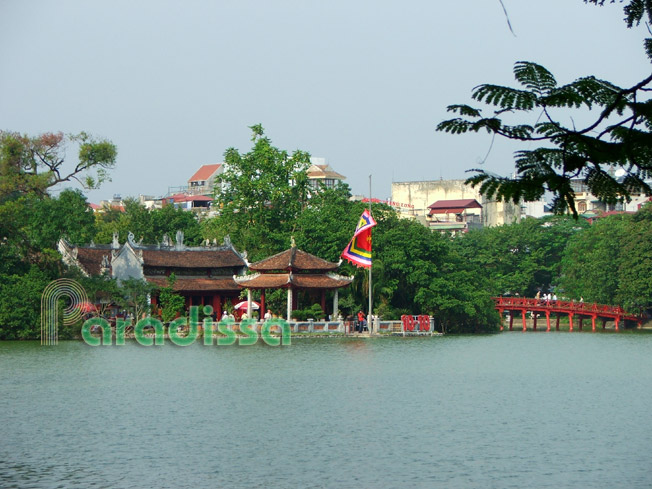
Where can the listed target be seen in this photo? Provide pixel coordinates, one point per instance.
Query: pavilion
(294, 270)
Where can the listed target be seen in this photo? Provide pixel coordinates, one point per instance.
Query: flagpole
(370, 319)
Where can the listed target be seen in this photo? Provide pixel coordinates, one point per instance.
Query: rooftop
(205, 172)
(293, 259)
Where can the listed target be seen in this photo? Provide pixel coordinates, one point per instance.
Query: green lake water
(514, 410)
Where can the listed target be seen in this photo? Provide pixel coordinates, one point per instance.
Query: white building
(417, 197)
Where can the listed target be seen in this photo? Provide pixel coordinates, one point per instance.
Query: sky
(362, 84)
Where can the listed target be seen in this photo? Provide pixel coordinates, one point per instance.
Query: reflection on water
(510, 410)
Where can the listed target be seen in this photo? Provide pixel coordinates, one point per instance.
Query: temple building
(295, 270)
(204, 274)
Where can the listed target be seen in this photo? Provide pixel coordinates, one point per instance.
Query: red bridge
(580, 309)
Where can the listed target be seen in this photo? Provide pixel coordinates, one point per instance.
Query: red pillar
(616, 322)
(547, 320)
(500, 312)
(523, 313)
(217, 307)
(570, 321)
(262, 309)
(511, 319)
(593, 318)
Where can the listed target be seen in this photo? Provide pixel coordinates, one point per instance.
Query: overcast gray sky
(361, 83)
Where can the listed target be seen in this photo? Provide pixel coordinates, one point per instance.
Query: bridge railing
(569, 306)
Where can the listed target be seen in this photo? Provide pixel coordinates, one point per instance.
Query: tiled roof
(471, 203)
(322, 172)
(91, 259)
(188, 198)
(204, 173)
(298, 280)
(293, 260)
(197, 284)
(192, 259)
(452, 206)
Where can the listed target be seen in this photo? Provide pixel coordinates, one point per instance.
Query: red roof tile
(298, 280)
(453, 206)
(197, 284)
(456, 203)
(204, 173)
(192, 259)
(91, 259)
(293, 260)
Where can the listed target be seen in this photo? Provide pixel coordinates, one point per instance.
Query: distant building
(417, 197)
(586, 202)
(536, 209)
(321, 173)
(203, 181)
(115, 203)
(189, 202)
(455, 216)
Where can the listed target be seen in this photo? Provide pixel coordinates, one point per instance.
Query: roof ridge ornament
(179, 240)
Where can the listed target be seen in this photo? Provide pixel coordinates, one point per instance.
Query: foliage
(172, 304)
(134, 296)
(31, 226)
(101, 290)
(611, 262)
(635, 270)
(260, 195)
(33, 164)
(147, 224)
(20, 304)
(520, 258)
(313, 312)
(618, 136)
(326, 224)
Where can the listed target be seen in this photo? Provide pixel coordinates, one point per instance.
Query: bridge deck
(570, 308)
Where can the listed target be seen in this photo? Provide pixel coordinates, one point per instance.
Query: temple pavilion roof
(293, 280)
(293, 260)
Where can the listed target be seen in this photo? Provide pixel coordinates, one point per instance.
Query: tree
(260, 194)
(36, 163)
(635, 270)
(147, 224)
(134, 296)
(20, 304)
(619, 136)
(327, 222)
(31, 226)
(611, 262)
(521, 257)
(171, 303)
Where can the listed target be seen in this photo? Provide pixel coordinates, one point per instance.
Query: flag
(358, 251)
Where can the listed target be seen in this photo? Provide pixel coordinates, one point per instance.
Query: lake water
(511, 410)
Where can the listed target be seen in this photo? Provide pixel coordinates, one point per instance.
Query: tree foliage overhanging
(619, 136)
